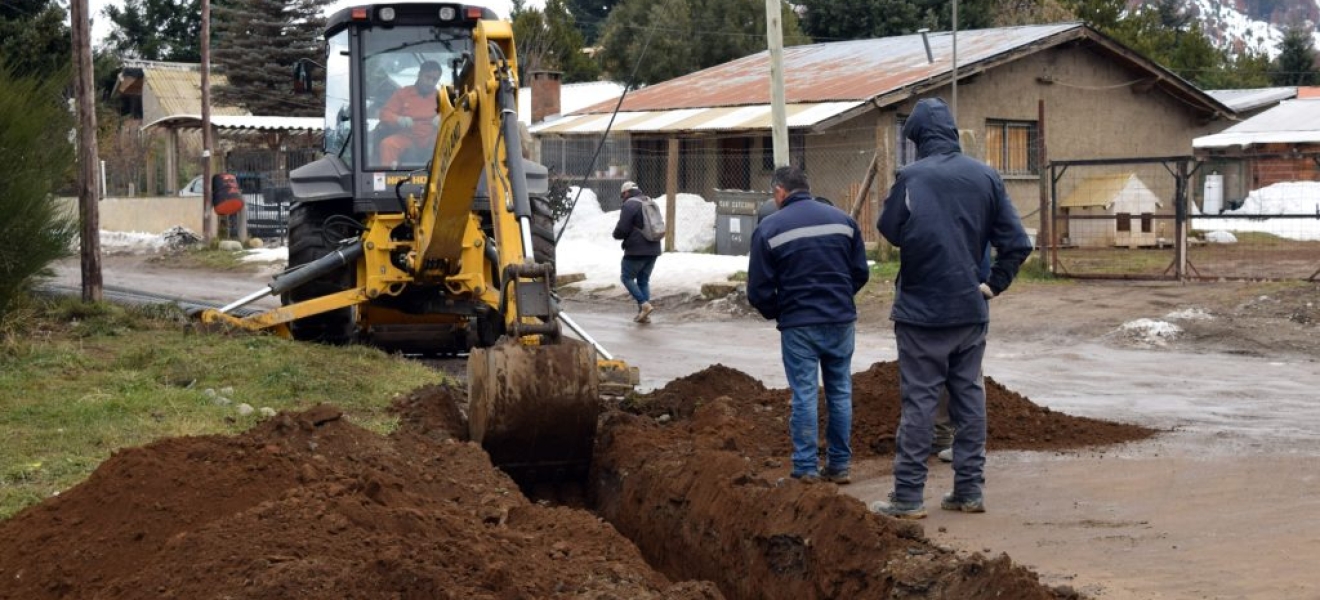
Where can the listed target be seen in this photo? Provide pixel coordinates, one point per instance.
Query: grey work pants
(931, 358)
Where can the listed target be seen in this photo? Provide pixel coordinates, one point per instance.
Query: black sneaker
(967, 504)
(839, 476)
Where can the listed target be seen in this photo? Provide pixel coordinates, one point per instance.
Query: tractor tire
(307, 242)
(543, 231)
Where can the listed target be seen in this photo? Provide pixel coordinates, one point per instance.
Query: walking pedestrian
(807, 262)
(941, 212)
(639, 253)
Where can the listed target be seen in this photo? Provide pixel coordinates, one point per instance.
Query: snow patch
(1189, 314)
(1149, 332)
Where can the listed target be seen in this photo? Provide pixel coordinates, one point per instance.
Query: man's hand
(435, 121)
(986, 291)
(403, 122)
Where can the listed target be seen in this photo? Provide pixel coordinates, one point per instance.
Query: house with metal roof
(1021, 95)
(1280, 144)
(1252, 101)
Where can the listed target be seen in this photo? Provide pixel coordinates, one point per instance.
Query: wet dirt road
(1221, 506)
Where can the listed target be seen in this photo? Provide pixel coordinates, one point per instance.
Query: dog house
(1112, 210)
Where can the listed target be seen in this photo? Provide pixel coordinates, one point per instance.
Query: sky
(101, 25)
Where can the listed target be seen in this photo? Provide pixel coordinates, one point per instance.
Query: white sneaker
(946, 455)
(644, 313)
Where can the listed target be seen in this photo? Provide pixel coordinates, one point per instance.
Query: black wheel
(308, 242)
(543, 231)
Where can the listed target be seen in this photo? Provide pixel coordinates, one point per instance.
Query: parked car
(194, 187)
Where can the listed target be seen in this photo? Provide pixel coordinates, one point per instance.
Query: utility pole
(778, 116)
(955, 61)
(89, 196)
(208, 215)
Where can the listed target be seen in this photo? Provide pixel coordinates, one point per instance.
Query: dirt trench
(687, 487)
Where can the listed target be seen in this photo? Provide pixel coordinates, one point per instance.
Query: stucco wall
(1095, 108)
(146, 214)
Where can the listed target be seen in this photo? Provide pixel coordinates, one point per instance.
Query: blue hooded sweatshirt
(941, 213)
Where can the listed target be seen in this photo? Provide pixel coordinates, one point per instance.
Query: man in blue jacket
(808, 261)
(941, 212)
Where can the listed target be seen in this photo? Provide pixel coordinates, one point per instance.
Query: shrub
(35, 157)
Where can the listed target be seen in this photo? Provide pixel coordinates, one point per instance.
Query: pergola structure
(276, 132)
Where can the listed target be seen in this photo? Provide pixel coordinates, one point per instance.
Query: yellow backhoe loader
(424, 230)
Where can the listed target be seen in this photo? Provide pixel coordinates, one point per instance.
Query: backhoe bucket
(534, 408)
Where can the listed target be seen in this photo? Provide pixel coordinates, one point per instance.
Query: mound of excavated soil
(1014, 422)
(307, 505)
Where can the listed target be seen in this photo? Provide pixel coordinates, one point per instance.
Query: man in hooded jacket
(941, 213)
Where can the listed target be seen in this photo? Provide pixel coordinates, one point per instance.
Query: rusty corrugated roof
(855, 70)
(884, 70)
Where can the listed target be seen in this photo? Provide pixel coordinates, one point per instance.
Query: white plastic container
(1212, 202)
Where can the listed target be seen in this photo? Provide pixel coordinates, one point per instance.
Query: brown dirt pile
(307, 505)
(1014, 422)
(697, 479)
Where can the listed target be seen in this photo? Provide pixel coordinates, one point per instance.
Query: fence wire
(1174, 218)
(709, 167)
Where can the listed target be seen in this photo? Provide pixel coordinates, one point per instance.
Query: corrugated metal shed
(830, 82)
(240, 123)
(1242, 100)
(1292, 121)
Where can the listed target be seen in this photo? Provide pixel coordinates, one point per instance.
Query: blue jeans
(828, 348)
(637, 276)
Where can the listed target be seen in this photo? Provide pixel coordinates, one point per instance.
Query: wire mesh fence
(1116, 219)
(263, 177)
(710, 168)
(1174, 218)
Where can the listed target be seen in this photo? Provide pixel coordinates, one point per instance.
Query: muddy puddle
(687, 498)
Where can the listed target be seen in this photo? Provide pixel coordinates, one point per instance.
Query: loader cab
(384, 63)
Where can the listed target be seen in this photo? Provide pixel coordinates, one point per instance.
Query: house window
(1010, 147)
(1147, 221)
(1124, 221)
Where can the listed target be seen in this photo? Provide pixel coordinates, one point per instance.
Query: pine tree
(830, 20)
(156, 29)
(590, 17)
(683, 36)
(34, 39)
(548, 39)
(1296, 62)
(256, 43)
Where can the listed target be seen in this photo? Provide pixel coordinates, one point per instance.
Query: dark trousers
(929, 360)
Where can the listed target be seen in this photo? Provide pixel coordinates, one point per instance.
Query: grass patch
(79, 381)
